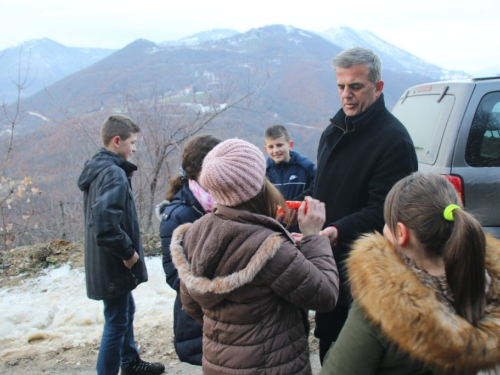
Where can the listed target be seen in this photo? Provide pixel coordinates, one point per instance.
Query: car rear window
(426, 119)
(483, 143)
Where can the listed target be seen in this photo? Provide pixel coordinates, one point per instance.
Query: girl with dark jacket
(186, 201)
(242, 275)
(427, 294)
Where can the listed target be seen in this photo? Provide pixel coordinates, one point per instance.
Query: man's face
(357, 92)
(126, 148)
(278, 149)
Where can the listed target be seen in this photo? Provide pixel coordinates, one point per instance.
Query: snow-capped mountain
(44, 61)
(393, 58)
(202, 37)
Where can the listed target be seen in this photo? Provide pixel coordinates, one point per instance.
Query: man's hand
(331, 233)
(130, 263)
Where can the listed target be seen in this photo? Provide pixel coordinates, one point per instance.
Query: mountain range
(269, 75)
(42, 62)
(287, 70)
(393, 58)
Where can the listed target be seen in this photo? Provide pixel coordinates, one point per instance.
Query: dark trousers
(117, 342)
(332, 322)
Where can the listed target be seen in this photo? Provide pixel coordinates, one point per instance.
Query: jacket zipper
(197, 210)
(338, 127)
(338, 140)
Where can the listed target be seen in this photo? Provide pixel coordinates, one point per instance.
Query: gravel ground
(65, 365)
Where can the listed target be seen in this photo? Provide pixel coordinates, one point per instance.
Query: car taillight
(458, 184)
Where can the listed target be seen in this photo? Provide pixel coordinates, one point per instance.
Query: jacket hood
(411, 315)
(183, 197)
(226, 249)
(102, 159)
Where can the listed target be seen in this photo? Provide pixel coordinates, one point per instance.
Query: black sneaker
(140, 367)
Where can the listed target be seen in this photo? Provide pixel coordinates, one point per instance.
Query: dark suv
(455, 126)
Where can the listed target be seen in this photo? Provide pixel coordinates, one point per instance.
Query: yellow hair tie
(448, 211)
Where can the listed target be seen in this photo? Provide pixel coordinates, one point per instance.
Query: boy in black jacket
(114, 258)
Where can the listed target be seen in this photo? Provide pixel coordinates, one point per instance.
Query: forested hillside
(231, 87)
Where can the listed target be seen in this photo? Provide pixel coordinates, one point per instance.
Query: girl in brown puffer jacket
(242, 275)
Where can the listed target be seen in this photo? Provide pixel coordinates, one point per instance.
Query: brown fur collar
(224, 284)
(410, 314)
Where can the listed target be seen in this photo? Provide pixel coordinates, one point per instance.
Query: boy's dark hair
(118, 125)
(276, 131)
(418, 201)
(192, 159)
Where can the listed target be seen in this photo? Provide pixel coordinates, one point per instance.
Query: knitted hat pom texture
(233, 172)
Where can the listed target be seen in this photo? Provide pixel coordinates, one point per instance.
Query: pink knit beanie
(233, 172)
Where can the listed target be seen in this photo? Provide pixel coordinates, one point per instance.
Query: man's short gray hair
(360, 55)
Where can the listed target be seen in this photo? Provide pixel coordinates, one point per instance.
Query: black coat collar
(351, 123)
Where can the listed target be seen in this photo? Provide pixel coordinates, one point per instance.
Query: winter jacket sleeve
(398, 161)
(107, 212)
(189, 305)
(358, 349)
(167, 227)
(308, 278)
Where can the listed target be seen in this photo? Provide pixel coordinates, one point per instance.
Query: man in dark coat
(361, 154)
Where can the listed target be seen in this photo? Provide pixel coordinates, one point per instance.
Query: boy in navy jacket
(288, 170)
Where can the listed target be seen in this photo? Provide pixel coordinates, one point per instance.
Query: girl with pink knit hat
(243, 277)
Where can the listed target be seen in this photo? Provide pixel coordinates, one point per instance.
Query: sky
(454, 34)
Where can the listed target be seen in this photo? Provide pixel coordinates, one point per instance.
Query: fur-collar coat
(403, 313)
(243, 277)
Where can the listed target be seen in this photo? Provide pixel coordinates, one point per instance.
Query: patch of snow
(302, 126)
(53, 310)
(153, 50)
(302, 33)
(200, 108)
(39, 115)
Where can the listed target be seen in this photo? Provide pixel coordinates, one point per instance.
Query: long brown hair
(266, 202)
(192, 159)
(418, 201)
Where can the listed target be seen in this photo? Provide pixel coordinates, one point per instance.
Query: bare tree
(167, 124)
(70, 138)
(15, 194)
